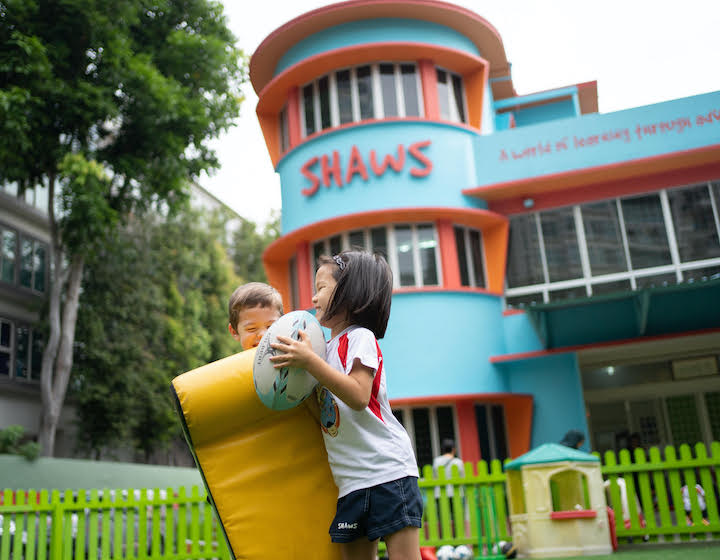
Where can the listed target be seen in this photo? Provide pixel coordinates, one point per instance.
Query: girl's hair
(363, 290)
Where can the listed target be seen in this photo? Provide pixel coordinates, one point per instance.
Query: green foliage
(248, 245)
(11, 442)
(154, 305)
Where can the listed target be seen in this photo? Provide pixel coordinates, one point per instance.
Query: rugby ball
(285, 388)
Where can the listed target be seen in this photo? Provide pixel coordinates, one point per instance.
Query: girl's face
(324, 287)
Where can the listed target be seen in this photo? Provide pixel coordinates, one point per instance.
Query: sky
(640, 52)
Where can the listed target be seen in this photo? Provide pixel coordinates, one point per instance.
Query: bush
(11, 442)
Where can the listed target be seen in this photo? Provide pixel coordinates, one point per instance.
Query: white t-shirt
(366, 447)
(448, 461)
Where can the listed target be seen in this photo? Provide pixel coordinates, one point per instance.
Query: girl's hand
(293, 353)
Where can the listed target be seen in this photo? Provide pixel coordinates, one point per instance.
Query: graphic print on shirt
(329, 413)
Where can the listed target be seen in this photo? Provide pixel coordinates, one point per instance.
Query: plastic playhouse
(557, 503)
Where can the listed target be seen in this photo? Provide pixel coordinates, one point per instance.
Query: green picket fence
(162, 524)
(132, 524)
(646, 493)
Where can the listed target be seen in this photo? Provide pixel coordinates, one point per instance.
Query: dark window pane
(443, 88)
(335, 244)
(324, 93)
(318, 251)
(365, 96)
(561, 246)
(37, 352)
(498, 419)
(410, 90)
(357, 239)
(40, 262)
(611, 287)
(22, 350)
(423, 443)
(4, 363)
(604, 238)
(399, 415)
(445, 423)
(483, 431)
(695, 228)
(5, 331)
(378, 239)
(309, 109)
(524, 260)
(656, 281)
(7, 256)
(684, 421)
(387, 86)
(342, 78)
(701, 274)
(476, 253)
(458, 93)
(462, 256)
(26, 262)
(521, 302)
(568, 294)
(427, 244)
(645, 229)
(403, 243)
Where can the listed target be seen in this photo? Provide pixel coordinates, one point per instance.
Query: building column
(428, 77)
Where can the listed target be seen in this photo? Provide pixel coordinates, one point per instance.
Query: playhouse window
(370, 91)
(569, 491)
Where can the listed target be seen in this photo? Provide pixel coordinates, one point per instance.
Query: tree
(111, 105)
(154, 305)
(248, 244)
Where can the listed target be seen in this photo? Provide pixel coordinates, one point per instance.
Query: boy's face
(252, 325)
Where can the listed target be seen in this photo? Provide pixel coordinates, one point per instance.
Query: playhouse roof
(550, 453)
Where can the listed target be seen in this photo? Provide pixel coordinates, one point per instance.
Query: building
(554, 268)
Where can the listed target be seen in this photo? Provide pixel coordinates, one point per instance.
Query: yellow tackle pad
(266, 472)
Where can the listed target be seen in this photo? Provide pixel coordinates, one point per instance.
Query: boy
(252, 308)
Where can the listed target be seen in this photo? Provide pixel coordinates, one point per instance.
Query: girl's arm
(353, 389)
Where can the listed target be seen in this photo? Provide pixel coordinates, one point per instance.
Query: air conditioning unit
(695, 367)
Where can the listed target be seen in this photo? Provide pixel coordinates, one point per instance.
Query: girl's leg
(404, 544)
(359, 549)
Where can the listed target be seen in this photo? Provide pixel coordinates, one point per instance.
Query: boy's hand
(293, 353)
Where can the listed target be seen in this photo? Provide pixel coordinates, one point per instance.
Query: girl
(369, 451)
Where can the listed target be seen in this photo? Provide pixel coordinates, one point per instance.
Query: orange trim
(602, 174)
(271, 133)
(493, 226)
(466, 22)
(448, 255)
(650, 182)
(274, 94)
(279, 278)
(305, 275)
(509, 312)
(428, 77)
(293, 116)
(518, 417)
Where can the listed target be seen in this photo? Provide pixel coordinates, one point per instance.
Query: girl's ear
(233, 332)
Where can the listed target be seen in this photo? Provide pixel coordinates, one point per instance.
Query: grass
(684, 551)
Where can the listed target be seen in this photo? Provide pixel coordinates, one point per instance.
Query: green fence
(109, 524)
(645, 492)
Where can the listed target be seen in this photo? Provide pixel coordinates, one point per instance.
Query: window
(414, 257)
(490, 421)
(21, 349)
(622, 244)
(284, 131)
(451, 96)
(428, 427)
(372, 91)
(8, 255)
(468, 243)
(23, 260)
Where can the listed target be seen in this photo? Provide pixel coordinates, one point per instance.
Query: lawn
(687, 551)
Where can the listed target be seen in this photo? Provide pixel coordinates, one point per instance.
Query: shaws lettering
(331, 170)
(346, 525)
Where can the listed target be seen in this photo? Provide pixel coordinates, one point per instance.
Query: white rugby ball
(285, 388)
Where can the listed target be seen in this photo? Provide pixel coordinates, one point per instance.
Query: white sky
(639, 51)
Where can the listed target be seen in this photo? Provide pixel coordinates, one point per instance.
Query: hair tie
(338, 260)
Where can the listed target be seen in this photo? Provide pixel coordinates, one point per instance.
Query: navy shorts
(378, 511)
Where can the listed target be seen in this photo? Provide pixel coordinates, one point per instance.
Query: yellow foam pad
(266, 472)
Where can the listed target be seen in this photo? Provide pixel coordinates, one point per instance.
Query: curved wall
(371, 31)
(448, 168)
(439, 343)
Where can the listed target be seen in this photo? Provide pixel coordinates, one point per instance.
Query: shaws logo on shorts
(346, 525)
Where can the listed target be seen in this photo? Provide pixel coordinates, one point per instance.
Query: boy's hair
(363, 290)
(253, 294)
(448, 445)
